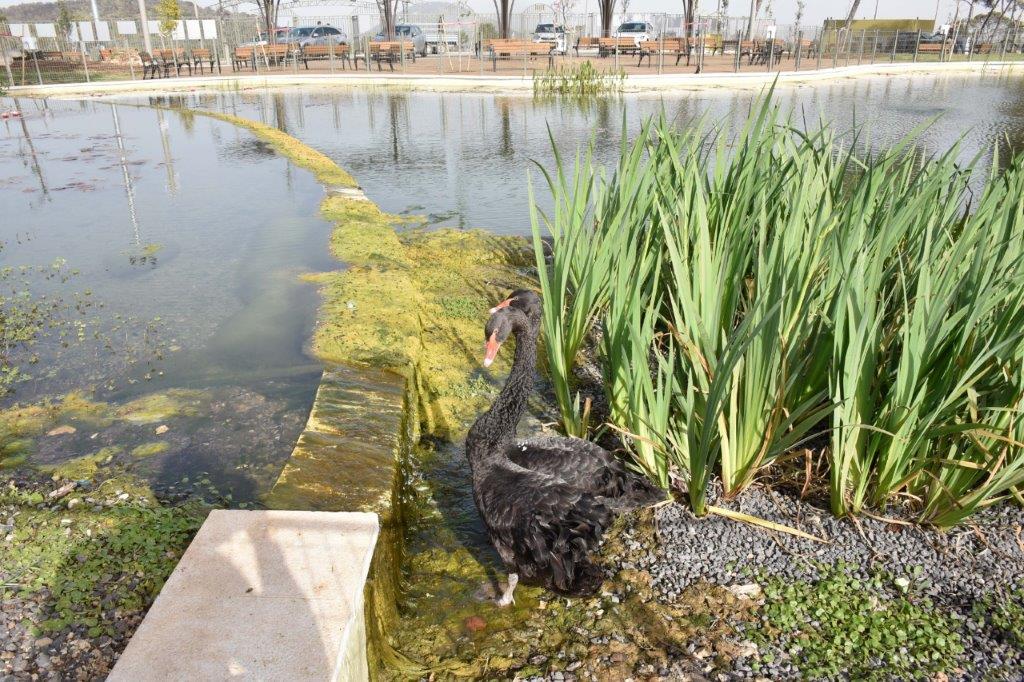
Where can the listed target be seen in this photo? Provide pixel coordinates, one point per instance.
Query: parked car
(316, 35)
(435, 38)
(280, 35)
(906, 41)
(639, 31)
(550, 33)
(408, 33)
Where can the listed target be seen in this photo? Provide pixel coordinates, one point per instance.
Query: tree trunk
(268, 10)
(607, 8)
(388, 12)
(853, 12)
(503, 8)
(755, 7)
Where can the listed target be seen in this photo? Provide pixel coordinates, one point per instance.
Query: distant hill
(82, 10)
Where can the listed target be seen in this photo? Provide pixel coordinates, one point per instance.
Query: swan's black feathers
(587, 466)
(543, 528)
(545, 502)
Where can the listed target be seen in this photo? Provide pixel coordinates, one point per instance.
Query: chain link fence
(88, 51)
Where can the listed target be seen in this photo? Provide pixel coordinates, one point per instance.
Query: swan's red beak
(491, 349)
(503, 304)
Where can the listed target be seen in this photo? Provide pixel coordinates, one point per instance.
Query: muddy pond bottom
(169, 251)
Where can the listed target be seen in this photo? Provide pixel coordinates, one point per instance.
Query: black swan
(545, 502)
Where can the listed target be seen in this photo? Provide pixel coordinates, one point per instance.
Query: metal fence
(86, 51)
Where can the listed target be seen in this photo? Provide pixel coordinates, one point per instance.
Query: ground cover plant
(752, 295)
(581, 80)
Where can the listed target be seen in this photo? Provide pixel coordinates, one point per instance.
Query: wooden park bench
(175, 58)
(712, 44)
(807, 48)
(587, 43)
(764, 51)
(152, 66)
(510, 48)
(607, 46)
(278, 53)
(983, 48)
(202, 56)
(242, 56)
(677, 47)
(342, 52)
(932, 48)
(391, 51)
(746, 49)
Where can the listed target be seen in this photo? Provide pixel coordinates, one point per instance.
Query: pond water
(462, 159)
(173, 247)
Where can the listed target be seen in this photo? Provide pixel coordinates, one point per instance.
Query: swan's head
(525, 300)
(496, 332)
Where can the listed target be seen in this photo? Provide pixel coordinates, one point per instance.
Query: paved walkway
(261, 595)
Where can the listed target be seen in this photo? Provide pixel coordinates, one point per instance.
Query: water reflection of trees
(37, 169)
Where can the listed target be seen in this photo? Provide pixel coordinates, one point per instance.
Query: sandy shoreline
(508, 84)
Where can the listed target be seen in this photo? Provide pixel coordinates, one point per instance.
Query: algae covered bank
(399, 335)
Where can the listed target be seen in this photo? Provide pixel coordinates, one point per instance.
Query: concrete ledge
(261, 595)
(504, 84)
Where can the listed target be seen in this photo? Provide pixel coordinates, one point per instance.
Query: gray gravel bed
(957, 568)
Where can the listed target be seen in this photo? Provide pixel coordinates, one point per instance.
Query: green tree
(64, 20)
(168, 12)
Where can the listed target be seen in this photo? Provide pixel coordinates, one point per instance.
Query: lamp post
(145, 27)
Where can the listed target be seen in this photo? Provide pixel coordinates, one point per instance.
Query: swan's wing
(573, 460)
(549, 525)
(587, 467)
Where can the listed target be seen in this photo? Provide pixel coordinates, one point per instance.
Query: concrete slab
(348, 456)
(261, 595)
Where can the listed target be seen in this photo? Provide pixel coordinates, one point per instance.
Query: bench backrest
(710, 42)
(667, 44)
(275, 50)
(616, 42)
(513, 46)
(931, 47)
(243, 52)
(201, 53)
(178, 53)
(324, 50)
(588, 41)
(390, 47)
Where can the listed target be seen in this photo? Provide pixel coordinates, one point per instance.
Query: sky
(815, 11)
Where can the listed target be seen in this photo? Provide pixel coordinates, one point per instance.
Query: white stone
(261, 595)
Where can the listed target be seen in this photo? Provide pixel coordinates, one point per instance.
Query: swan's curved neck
(498, 425)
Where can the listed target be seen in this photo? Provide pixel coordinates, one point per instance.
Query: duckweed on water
(149, 449)
(84, 467)
(160, 406)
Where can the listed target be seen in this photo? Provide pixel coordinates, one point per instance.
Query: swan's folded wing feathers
(550, 528)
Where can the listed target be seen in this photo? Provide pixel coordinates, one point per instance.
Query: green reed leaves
(757, 292)
(581, 80)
